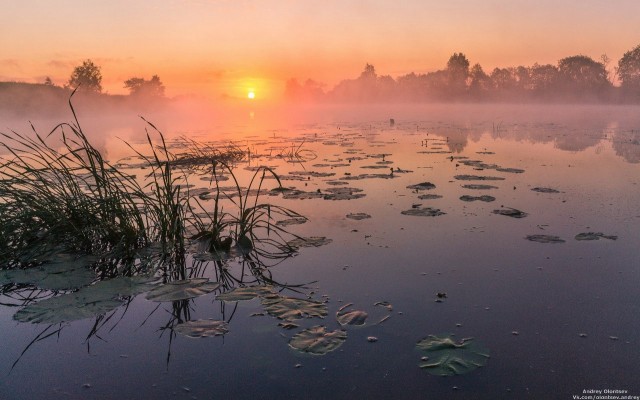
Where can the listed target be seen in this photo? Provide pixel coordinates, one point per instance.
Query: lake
(508, 235)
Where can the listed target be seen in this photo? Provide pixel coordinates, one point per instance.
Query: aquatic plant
(446, 357)
(65, 200)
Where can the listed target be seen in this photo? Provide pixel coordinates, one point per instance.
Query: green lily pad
(446, 357)
(594, 236)
(544, 239)
(63, 272)
(202, 328)
(343, 193)
(545, 190)
(290, 308)
(316, 340)
(292, 221)
(351, 317)
(68, 307)
(423, 212)
(485, 198)
(358, 216)
(422, 186)
(314, 241)
(478, 178)
(245, 293)
(479, 187)
(87, 302)
(182, 290)
(510, 212)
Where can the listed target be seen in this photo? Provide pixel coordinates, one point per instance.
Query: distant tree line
(87, 78)
(577, 78)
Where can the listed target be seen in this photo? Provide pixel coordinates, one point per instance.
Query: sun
(251, 94)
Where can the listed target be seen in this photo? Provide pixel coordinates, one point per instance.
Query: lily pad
(202, 328)
(510, 212)
(245, 293)
(63, 272)
(68, 307)
(313, 241)
(343, 193)
(316, 340)
(422, 186)
(87, 302)
(544, 239)
(429, 196)
(446, 357)
(484, 198)
(358, 216)
(351, 317)
(423, 212)
(594, 236)
(182, 290)
(292, 221)
(478, 178)
(545, 190)
(290, 308)
(510, 170)
(479, 187)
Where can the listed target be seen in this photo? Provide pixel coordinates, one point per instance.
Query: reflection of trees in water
(627, 145)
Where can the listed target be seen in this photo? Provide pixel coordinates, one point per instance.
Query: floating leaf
(594, 236)
(63, 308)
(343, 193)
(353, 317)
(511, 170)
(422, 186)
(314, 241)
(182, 290)
(484, 198)
(63, 272)
(87, 302)
(545, 190)
(358, 216)
(245, 293)
(290, 308)
(316, 340)
(478, 178)
(423, 212)
(429, 196)
(202, 328)
(447, 357)
(479, 187)
(510, 212)
(544, 239)
(292, 221)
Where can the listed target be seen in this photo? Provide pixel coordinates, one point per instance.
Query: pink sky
(218, 47)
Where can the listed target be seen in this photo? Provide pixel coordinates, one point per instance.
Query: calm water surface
(557, 318)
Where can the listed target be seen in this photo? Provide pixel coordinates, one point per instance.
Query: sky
(226, 48)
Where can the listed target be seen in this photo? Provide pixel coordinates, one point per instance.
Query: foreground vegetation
(59, 195)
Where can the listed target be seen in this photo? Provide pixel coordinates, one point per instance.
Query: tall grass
(65, 197)
(58, 194)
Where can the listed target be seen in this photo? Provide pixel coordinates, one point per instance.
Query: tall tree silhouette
(629, 72)
(86, 77)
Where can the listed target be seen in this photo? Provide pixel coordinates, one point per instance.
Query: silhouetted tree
(480, 82)
(458, 72)
(504, 80)
(86, 77)
(48, 81)
(544, 78)
(629, 71)
(145, 88)
(581, 75)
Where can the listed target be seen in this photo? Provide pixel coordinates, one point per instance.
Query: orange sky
(226, 47)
